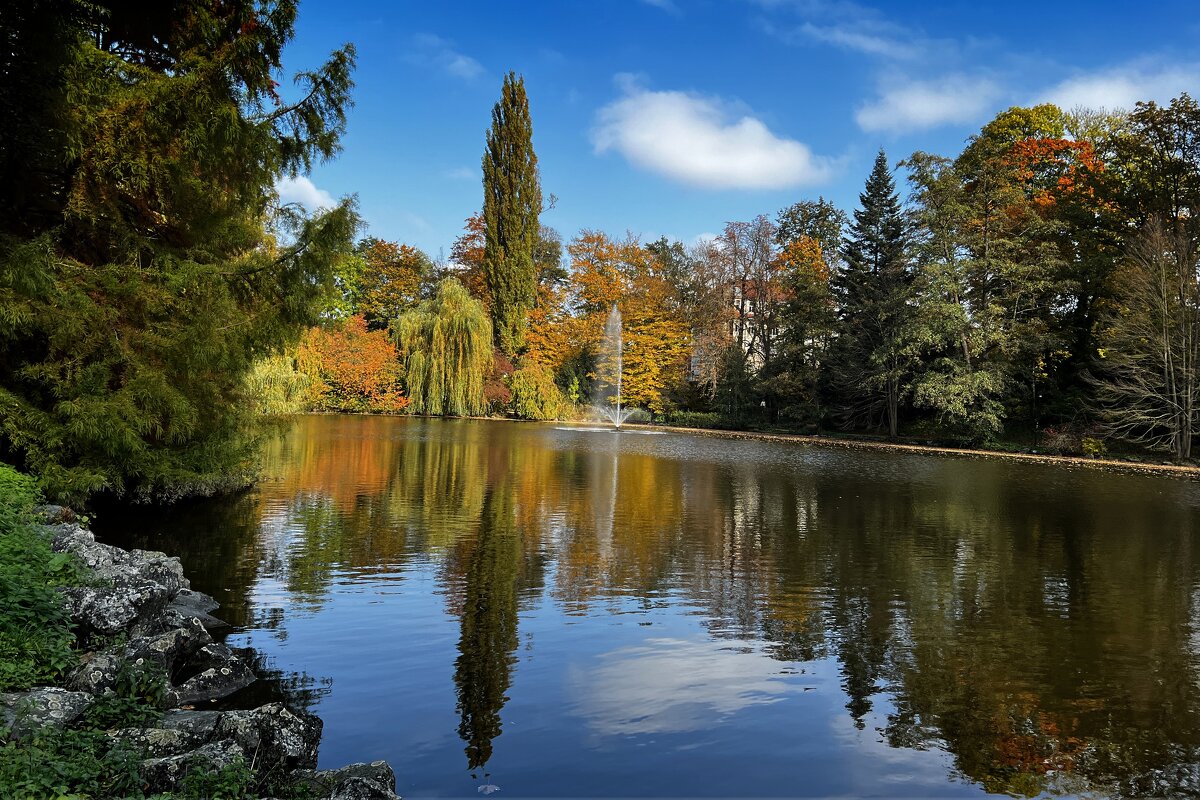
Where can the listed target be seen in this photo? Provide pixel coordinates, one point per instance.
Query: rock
(117, 567)
(194, 723)
(275, 737)
(96, 673)
(69, 537)
(52, 514)
(197, 602)
(221, 674)
(195, 605)
(168, 650)
(111, 609)
(323, 781)
(165, 773)
(160, 742)
(362, 789)
(25, 712)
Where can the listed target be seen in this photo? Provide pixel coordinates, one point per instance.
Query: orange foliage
(657, 338)
(803, 258)
(356, 369)
(1053, 169)
(468, 252)
(391, 280)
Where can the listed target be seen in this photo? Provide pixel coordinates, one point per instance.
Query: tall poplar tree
(871, 355)
(512, 200)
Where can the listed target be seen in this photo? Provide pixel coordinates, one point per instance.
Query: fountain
(607, 396)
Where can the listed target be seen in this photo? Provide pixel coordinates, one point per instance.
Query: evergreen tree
(871, 358)
(512, 200)
(144, 262)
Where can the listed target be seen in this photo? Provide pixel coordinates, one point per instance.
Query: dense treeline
(1040, 288)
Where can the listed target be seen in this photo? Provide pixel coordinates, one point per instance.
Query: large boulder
(160, 742)
(189, 604)
(323, 782)
(25, 712)
(165, 773)
(106, 610)
(97, 672)
(362, 789)
(201, 724)
(278, 738)
(169, 650)
(222, 673)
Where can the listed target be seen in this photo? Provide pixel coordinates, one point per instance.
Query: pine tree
(512, 200)
(145, 266)
(871, 359)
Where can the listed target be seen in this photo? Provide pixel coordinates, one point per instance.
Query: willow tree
(446, 346)
(512, 200)
(144, 263)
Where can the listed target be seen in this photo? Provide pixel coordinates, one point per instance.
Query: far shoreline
(859, 442)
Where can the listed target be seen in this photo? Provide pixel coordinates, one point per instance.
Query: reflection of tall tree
(482, 672)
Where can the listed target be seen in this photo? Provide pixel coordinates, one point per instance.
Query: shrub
(1093, 447)
(353, 369)
(695, 419)
(274, 387)
(535, 395)
(35, 636)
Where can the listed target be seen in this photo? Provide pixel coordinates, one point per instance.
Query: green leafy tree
(148, 265)
(446, 346)
(1149, 344)
(961, 379)
(391, 280)
(809, 234)
(512, 201)
(872, 358)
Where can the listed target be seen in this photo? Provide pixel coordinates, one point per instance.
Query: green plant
(535, 395)
(56, 762)
(35, 635)
(134, 701)
(1093, 447)
(231, 782)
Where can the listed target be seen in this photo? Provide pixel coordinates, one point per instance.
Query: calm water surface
(570, 612)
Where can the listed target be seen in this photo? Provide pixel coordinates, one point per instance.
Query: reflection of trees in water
(482, 672)
(1035, 624)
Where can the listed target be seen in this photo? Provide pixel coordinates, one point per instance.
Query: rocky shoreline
(137, 611)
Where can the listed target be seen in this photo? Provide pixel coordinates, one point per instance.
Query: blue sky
(672, 117)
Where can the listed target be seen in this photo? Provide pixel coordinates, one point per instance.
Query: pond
(571, 612)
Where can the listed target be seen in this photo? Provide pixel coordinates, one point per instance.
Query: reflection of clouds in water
(672, 686)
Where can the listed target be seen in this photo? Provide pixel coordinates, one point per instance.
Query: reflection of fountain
(608, 384)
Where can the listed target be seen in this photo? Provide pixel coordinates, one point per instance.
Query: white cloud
(853, 37)
(698, 141)
(1122, 87)
(918, 105)
(641, 690)
(303, 191)
(666, 5)
(438, 53)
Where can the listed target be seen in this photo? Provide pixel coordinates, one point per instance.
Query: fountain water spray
(608, 395)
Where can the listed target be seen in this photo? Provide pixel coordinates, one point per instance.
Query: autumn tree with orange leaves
(391, 280)
(656, 337)
(352, 368)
